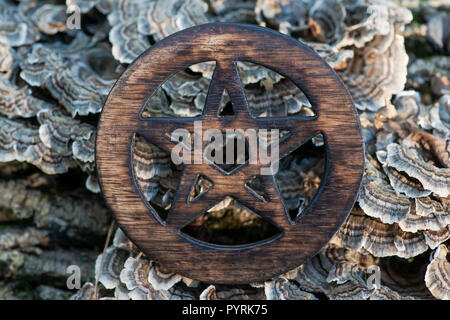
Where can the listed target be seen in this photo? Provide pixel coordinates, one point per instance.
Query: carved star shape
(157, 131)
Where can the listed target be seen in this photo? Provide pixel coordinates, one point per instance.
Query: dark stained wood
(335, 117)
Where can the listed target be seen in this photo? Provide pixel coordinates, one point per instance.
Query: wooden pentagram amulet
(226, 44)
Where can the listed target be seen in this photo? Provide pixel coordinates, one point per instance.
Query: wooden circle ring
(336, 119)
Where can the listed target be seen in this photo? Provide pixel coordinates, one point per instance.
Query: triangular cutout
(300, 175)
(226, 108)
(182, 95)
(156, 176)
(270, 94)
(229, 224)
(296, 208)
(256, 188)
(200, 186)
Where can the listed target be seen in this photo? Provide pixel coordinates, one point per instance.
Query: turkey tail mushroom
(437, 276)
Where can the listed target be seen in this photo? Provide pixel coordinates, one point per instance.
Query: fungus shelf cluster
(393, 56)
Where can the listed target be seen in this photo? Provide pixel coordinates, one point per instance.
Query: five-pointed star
(157, 131)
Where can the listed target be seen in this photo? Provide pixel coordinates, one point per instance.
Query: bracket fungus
(437, 275)
(54, 81)
(283, 289)
(408, 160)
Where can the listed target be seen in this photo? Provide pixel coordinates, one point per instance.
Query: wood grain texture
(335, 118)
